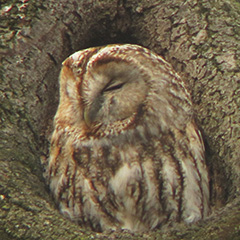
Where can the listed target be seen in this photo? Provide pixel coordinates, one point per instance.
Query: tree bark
(201, 39)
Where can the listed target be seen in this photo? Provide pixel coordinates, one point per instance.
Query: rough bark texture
(202, 41)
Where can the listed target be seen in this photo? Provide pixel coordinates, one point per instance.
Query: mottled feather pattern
(126, 152)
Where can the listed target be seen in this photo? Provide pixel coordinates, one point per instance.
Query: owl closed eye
(125, 151)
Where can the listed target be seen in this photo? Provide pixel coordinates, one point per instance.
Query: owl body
(125, 151)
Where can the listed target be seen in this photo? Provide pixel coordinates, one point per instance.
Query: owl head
(106, 90)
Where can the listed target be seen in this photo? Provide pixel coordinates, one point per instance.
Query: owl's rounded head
(115, 86)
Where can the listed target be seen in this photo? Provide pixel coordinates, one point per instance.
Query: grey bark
(202, 41)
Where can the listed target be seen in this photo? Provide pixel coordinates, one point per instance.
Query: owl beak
(86, 117)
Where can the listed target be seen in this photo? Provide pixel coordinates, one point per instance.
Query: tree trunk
(201, 39)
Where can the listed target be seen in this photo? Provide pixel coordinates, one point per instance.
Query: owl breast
(125, 151)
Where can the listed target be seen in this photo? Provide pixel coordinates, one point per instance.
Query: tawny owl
(125, 151)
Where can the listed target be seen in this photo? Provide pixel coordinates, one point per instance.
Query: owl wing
(197, 152)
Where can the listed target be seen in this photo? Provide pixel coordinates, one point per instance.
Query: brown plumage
(125, 151)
